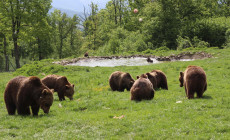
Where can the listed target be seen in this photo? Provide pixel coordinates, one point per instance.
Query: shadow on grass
(207, 97)
(204, 97)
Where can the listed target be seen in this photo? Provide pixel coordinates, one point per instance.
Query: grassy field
(92, 114)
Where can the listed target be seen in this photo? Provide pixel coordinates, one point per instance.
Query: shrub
(183, 43)
(199, 43)
(140, 45)
(39, 67)
(114, 45)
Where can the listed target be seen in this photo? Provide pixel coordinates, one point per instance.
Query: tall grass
(91, 114)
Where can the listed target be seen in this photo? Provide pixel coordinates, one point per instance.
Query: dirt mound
(185, 55)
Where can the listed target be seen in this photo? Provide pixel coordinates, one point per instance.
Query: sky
(77, 5)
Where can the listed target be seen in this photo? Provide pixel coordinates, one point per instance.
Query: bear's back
(13, 87)
(50, 81)
(194, 73)
(142, 83)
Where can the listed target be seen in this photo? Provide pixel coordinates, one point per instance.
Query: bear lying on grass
(23, 92)
(160, 79)
(142, 89)
(119, 81)
(61, 85)
(194, 80)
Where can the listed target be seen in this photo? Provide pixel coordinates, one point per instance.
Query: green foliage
(183, 43)
(199, 43)
(114, 45)
(114, 30)
(227, 37)
(39, 68)
(211, 31)
(186, 42)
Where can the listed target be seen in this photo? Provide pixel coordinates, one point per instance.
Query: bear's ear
(127, 74)
(138, 77)
(44, 92)
(52, 90)
(148, 74)
(73, 85)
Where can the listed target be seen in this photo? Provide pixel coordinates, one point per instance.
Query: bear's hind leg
(200, 94)
(190, 94)
(10, 106)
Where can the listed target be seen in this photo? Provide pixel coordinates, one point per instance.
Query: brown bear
(153, 79)
(194, 80)
(21, 93)
(142, 89)
(120, 81)
(149, 60)
(161, 80)
(61, 85)
(86, 54)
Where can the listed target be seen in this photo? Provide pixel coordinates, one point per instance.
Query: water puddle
(132, 61)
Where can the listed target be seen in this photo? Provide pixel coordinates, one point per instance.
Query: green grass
(90, 114)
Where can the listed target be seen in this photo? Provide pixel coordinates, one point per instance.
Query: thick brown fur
(142, 89)
(153, 79)
(21, 93)
(161, 80)
(119, 81)
(194, 80)
(61, 85)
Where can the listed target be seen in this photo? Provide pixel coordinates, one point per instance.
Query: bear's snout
(46, 111)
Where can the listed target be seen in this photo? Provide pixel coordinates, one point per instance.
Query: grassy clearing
(90, 114)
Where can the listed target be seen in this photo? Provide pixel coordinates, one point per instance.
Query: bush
(199, 43)
(162, 49)
(211, 30)
(114, 45)
(39, 67)
(140, 45)
(183, 43)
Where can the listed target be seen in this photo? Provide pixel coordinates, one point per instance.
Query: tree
(64, 25)
(20, 13)
(91, 27)
(41, 29)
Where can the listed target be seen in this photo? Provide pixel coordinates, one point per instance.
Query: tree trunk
(39, 49)
(16, 52)
(120, 14)
(115, 11)
(60, 49)
(5, 54)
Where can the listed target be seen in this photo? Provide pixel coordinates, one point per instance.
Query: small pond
(132, 61)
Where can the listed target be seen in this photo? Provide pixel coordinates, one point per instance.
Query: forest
(29, 32)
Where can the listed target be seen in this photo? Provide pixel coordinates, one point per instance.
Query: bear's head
(69, 91)
(143, 76)
(181, 79)
(128, 81)
(46, 100)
